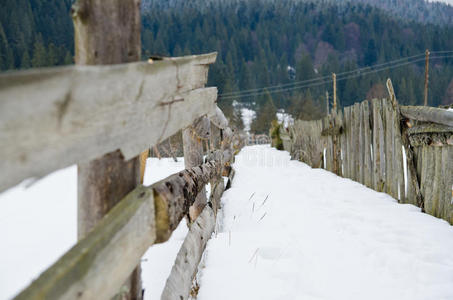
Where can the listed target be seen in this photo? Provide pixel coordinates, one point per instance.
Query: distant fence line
(404, 151)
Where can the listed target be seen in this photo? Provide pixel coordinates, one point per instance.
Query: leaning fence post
(107, 32)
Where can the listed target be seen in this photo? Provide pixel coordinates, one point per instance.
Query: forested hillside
(35, 33)
(264, 43)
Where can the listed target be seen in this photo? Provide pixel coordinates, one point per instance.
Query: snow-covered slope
(292, 232)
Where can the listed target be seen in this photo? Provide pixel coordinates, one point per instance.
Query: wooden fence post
(107, 33)
(192, 138)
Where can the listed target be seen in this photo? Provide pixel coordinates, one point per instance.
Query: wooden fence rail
(96, 123)
(52, 118)
(367, 143)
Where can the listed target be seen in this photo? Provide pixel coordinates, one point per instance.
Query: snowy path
(318, 236)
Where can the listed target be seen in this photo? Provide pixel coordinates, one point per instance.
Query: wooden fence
(101, 115)
(368, 142)
(131, 116)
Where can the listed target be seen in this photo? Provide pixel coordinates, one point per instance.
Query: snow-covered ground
(286, 231)
(292, 232)
(38, 224)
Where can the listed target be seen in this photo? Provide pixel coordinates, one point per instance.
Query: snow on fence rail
(404, 151)
(103, 114)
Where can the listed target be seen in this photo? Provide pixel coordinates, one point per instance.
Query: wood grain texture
(193, 156)
(85, 112)
(428, 114)
(175, 194)
(218, 119)
(112, 250)
(367, 139)
(179, 283)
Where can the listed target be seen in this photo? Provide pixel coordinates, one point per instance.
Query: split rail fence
(103, 114)
(53, 118)
(404, 151)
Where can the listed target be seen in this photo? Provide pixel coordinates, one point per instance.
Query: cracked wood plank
(53, 118)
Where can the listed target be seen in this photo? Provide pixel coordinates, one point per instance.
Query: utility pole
(327, 102)
(334, 78)
(426, 76)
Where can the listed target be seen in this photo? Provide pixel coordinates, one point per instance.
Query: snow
(39, 224)
(319, 236)
(284, 118)
(248, 116)
(286, 231)
(450, 109)
(450, 2)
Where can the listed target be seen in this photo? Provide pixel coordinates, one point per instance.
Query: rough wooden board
(342, 145)
(179, 282)
(218, 118)
(362, 145)
(112, 250)
(193, 156)
(367, 166)
(447, 176)
(378, 138)
(351, 146)
(398, 158)
(428, 114)
(101, 184)
(345, 143)
(176, 193)
(356, 141)
(53, 118)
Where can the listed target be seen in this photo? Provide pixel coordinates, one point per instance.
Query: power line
(320, 80)
(328, 76)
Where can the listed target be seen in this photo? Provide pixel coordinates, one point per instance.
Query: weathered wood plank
(356, 141)
(193, 156)
(389, 147)
(179, 282)
(111, 250)
(53, 118)
(398, 161)
(428, 114)
(378, 138)
(218, 118)
(362, 146)
(367, 162)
